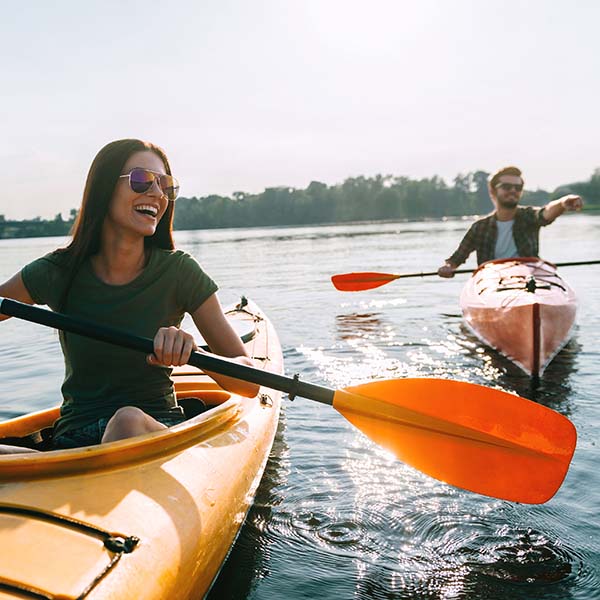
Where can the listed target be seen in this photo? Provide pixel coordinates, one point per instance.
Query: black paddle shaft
(456, 271)
(291, 385)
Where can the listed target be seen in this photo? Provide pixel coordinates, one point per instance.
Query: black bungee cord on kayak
(116, 544)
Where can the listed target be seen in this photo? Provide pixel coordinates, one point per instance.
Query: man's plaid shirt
(483, 233)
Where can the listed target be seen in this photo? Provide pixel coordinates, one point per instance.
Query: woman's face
(132, 213)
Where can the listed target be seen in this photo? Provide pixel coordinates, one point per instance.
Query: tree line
(382, 197)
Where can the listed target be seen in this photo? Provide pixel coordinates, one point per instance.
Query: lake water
(335, 516)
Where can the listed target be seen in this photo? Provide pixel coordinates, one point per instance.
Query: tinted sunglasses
(141, 180)
(507, 187)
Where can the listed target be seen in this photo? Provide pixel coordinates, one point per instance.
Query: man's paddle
(467, 435)
(358, 282)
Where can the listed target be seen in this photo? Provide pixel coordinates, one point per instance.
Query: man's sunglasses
(507, 187)
(141, 180)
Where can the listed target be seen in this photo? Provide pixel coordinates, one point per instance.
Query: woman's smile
(148, 210)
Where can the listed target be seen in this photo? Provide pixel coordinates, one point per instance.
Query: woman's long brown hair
(101, 181)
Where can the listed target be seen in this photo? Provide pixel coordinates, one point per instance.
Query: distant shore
(376, 199)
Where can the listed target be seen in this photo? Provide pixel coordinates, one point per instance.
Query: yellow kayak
(151, 517)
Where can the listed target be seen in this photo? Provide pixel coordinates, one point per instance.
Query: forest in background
(378, 198)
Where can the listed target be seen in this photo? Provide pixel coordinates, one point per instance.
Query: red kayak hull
(522, 308)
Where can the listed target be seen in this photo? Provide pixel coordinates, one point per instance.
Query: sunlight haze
(249, 95)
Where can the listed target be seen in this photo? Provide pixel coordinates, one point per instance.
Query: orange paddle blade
(357, 282)
(470, 436)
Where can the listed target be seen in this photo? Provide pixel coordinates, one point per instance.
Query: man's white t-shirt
(505, 243)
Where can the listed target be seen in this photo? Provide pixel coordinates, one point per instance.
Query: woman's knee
(129, 421)
(128, 417)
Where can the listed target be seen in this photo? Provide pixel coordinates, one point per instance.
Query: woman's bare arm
(14, 288)
(224, 341)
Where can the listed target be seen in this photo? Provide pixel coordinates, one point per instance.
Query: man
(511, 230)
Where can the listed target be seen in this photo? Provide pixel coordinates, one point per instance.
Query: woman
(121, 269)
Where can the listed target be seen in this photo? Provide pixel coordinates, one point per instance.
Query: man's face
(507, 192)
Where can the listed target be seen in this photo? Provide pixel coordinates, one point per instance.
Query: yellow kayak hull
(151, 517)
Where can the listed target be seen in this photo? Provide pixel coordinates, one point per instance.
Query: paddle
(468, 435)
(357, 282)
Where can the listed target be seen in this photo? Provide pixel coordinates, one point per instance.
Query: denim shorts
(90, 435)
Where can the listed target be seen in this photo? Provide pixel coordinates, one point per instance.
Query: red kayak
(522, 308)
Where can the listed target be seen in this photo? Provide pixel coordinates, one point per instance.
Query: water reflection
(541, 571)
(345, 232)
(556, 384)
(409, 536)
(553, 389)
(352, 325)
(394, 533)
(250, 556)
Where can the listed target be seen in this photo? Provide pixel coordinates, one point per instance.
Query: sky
(249, 94)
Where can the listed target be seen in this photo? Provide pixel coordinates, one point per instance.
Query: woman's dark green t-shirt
(101, 377)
